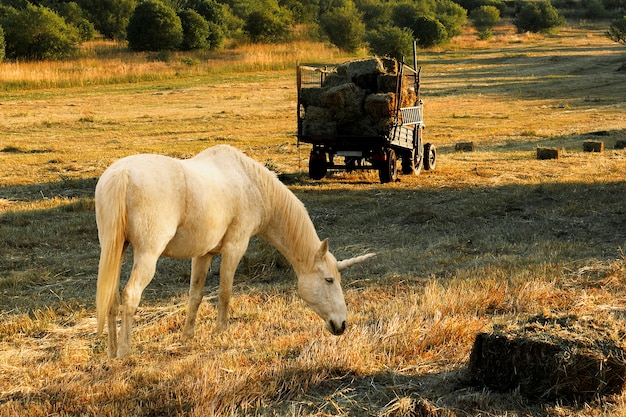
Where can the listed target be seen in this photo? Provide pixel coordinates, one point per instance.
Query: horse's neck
(290, 230)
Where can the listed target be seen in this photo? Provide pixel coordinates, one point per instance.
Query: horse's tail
(111, 217)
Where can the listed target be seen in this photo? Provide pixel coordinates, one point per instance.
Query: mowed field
(489, 237)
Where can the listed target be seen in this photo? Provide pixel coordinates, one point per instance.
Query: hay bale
(380, 105)
(360, 97)
(620, 144)
(593, 146)
(548, 153)
(560, 357)
(386, 83)
(334, 79)
(310, 96)
(318, 121)
(464, 147)
(341, 96)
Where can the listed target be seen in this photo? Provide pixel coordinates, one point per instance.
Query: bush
(36, 32)
(537, 17)
(344, 28)
(452, 16)
(429, 32)
(484, 19)
(392, 41)
(154, 26)
(195, 30)
(110, 17)
(266, 26)
(74, 15)
(617, 30)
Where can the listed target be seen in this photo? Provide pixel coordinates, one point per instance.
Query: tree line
(54, 29)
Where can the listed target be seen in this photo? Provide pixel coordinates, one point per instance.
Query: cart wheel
(430, 156)
(317, 165)
(412, 163)
(387, 171)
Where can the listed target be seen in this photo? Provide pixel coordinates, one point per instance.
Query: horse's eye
(330, 280)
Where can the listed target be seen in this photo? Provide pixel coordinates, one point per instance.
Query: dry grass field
(489, 237)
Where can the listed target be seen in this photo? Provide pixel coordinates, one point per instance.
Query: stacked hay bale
(552, 358)
(356, 98)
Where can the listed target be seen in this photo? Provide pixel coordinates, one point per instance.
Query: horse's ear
(341, 265)
(321, 252)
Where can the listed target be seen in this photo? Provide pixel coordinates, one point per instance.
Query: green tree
(452, 16)
(267, 25)
(538, 16)
(154, 26)
(484, 19)
(429, 32)
(344, 28)
(376, 15)
(74, 15)
(405, 15)
(617, 30)
(110, 17)
(195, 30)
(391, 41)
(37, 32)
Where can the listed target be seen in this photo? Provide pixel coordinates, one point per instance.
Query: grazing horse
(196, 208)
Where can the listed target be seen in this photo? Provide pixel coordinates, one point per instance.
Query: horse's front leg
(231, 255)
(199, 270)
(144, 267)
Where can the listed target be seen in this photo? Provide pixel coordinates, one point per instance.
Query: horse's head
(320, 288)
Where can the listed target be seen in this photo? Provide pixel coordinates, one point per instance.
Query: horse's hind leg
(112, 321)
(144, 266)
(199, 270)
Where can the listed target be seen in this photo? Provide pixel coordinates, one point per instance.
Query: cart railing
(412, 115)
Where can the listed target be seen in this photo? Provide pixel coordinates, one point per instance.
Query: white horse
(196, 208)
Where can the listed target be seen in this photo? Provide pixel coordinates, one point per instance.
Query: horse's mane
(287, 208)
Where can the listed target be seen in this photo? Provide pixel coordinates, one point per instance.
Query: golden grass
(488, 237)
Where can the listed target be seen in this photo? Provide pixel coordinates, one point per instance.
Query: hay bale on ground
(562, 357)
(620, 144)
(547, 153)
(593, 146)
(464, 147)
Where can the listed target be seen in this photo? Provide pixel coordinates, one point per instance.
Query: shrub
(405, 15)
(484, 19)
(392, 41)
(267, 26)
(617, 30)
(537, 17)
(376, 15)
(36, 32)
(154, 26)
(110, 17)
(195, 30)
(211, 10)
(452, 16)
(429, 32)
(344, 28)
(74, 15)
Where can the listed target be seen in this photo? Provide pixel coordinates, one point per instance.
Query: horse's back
(153, 196)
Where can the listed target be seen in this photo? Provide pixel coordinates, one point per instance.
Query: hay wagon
(363, 115)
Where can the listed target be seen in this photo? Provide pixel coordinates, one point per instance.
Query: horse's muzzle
(336, 329)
